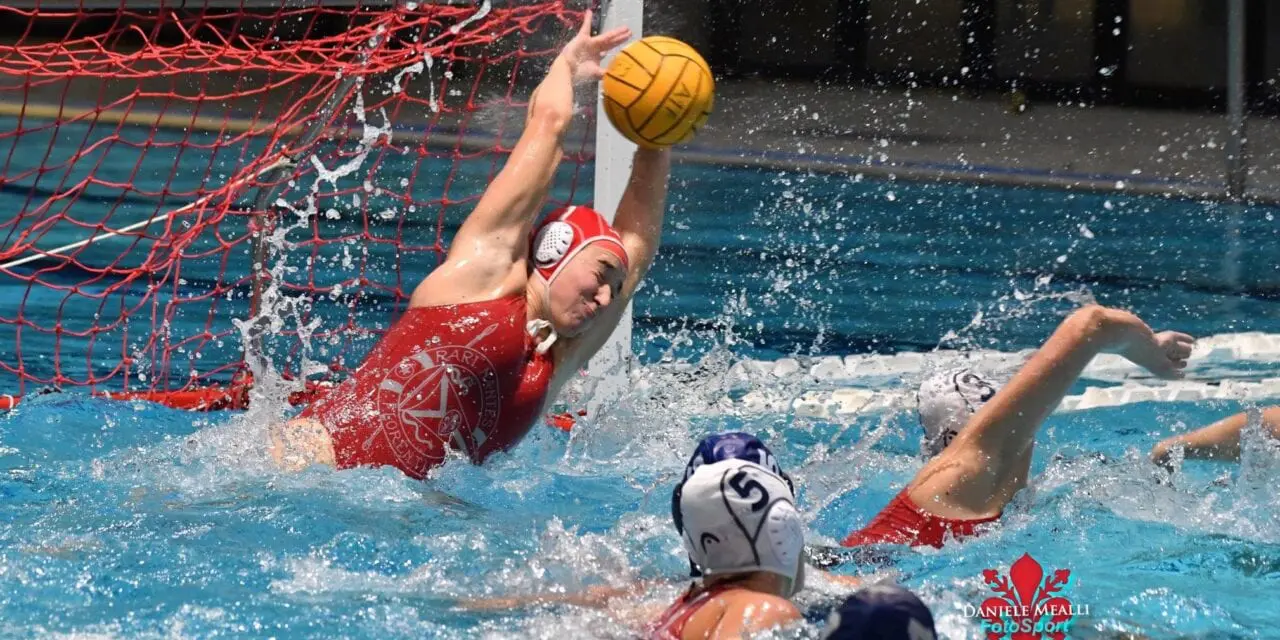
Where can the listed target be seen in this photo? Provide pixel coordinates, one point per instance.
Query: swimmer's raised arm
(639, 223)
(978, 473)
(487, 256)
(641, 211)
(1218, 441)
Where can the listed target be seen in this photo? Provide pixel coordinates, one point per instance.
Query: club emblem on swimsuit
(1030, 604)
(439, 397)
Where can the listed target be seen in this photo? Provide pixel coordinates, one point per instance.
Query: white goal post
(613, 154)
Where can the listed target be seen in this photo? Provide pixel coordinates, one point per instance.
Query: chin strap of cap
(536, 326)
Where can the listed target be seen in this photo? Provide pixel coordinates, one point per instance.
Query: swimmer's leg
(989, 461)
(300, 443)
(1218, 441)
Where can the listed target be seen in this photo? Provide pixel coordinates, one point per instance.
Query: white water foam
(868, 384)
(1213, 350)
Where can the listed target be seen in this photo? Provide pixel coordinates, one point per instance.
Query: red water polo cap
(565, 232)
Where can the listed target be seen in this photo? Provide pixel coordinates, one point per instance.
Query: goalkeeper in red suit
(513, 312)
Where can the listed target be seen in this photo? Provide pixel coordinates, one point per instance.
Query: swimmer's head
(734, 445)
(736, 518)
(946, 401)
(581, 264)
(881, 611)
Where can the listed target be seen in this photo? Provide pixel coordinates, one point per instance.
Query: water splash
(425, 64)
(1012, 307)
(483, 10)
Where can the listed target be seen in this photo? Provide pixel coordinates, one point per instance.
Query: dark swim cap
(882, 612)
(734, 445)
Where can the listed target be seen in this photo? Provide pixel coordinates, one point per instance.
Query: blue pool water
(131, 520)
(791, 262)
(138, 521)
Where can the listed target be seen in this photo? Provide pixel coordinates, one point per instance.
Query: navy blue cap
(734, 445)
(881, 612)
(726, 446)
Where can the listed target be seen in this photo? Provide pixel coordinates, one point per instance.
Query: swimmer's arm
(967, 479)
(640, 213)
(486, 258)
(1218, 441)
(978, 477)
(490, 247)
(816, 574)
(597, 597)
(639, 223)
(852, 582)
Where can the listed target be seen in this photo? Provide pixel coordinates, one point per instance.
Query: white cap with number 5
(739, 517)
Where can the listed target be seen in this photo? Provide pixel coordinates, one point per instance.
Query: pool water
(132, 520)
(138, 521)
(784, 262)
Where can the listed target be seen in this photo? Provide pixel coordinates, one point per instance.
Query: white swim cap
(738, 517)
(946, 401)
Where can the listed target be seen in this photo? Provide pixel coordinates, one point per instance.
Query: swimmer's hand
(1162, 456)
(1176, 348)
(584, 52)
(1164, 354)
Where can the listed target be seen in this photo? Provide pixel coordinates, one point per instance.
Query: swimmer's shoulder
(731, 613)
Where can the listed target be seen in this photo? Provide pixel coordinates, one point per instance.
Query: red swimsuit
(903, 522)
(670, 625)
(463, 376)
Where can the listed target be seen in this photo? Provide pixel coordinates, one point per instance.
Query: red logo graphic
(437, 397)
(1031, 605)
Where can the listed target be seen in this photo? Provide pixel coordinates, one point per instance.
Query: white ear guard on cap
(738, 518)
(946, 401)
(552, 243)
(567, 231)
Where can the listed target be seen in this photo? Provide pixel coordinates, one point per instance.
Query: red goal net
(167, 174)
